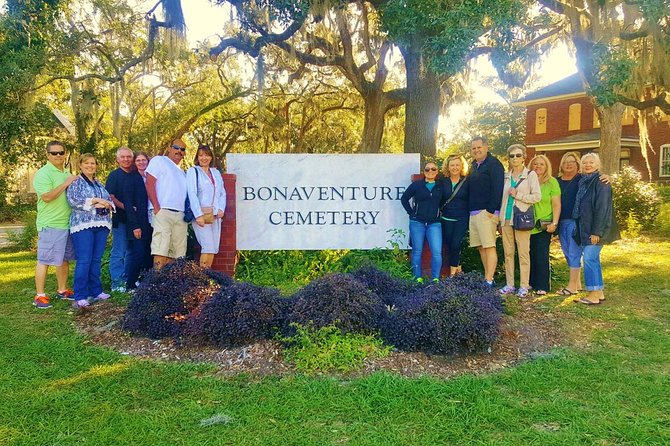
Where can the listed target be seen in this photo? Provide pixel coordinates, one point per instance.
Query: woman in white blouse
(208, 203)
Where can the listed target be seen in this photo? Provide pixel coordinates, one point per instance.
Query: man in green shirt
(54, 246)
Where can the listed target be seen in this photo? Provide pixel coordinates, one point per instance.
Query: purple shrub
(457, 315)
(237, 315)
(337, 299)
(165, 298)
(387, 287)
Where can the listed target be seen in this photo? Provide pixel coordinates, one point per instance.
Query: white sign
(308, 202)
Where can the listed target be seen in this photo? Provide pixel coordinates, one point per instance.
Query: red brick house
(560, 118)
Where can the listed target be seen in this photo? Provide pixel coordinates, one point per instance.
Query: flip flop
(540, 293)
(585, 301)
(565, 292)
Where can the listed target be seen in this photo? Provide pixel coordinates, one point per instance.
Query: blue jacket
(458, 207)
(426, 206)
(486, 185)
(596, 214)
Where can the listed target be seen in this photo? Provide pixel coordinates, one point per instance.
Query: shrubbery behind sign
(307, 202)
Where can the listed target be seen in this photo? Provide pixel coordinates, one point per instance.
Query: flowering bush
(387, 287)
(459, 314)
(633, 196)
(165, 298)
(339, 300)
(237, 315)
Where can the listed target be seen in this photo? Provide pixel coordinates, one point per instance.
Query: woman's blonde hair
(86, 156)
(548, 172)
(564, 159)
(591, 155)
(450, 158)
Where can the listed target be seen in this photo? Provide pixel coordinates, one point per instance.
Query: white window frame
(664, 147)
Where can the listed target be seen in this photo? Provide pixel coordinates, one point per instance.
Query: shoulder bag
(523, 220)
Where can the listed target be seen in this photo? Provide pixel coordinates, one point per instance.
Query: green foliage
(614, 72)
(15, 213)
(664, 193)
(26, 239)
(662, 225)
(632, 225)
(328, 349)
(503, 125)
(633, 196)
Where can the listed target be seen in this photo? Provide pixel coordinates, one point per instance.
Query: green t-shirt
(56, 213)
(542, 208)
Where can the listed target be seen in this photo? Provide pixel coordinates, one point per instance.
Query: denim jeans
(89, 245)
(453, 233)
(593, 273)
(135, 260)
(418, 232)
(117, 256)
(571, 250)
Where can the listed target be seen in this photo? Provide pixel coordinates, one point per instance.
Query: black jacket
(596, 214)
(458, 207)
(135, 202)
(426, 206)
(486, 185)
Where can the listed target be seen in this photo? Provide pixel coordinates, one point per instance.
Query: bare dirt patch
(528, 334)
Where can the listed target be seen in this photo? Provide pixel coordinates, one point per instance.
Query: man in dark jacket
(486, 178)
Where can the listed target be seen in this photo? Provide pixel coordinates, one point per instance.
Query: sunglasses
(430, 169)
(183, 149)
(515, 155)
(61, 153)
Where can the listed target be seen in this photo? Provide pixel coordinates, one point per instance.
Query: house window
(541, 121)
(624, 158)
(596, 120)
(665, 160)
(575, 117)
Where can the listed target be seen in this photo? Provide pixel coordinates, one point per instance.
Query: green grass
(611, 388)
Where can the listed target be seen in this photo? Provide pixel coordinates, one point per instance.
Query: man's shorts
(54, 246)
(170, 232)
(483, 227)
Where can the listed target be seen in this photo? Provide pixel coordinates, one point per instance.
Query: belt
(172, 210)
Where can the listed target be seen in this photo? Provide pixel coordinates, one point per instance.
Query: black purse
(523, 220)
(188, 212)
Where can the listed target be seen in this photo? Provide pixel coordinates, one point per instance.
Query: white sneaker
(81, 303)
(119, 289)
(507, 289)
(103, 296)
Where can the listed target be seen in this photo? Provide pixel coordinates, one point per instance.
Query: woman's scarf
(584, 183)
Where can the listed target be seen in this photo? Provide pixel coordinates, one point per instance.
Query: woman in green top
(547, 212)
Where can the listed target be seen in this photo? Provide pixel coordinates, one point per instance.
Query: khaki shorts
(170, 232)
(483, 227)
(54, 246)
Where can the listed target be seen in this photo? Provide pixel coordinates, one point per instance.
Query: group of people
(526, 204)
(143, 203)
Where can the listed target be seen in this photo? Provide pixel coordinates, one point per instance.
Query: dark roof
(592, 135)
(571, 84)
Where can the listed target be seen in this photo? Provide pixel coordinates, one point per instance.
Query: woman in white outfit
(208, 203)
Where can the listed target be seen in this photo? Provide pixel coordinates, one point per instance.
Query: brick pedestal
(226, 260)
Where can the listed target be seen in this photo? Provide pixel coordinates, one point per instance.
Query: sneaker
(491, 284)
(119, 289)
(102, 296)
(68, 294)
(81, 303)
(419, 280)
(42, 302)
(436, 280)
(507, 289)
(523, 292)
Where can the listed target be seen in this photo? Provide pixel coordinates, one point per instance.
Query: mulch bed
(528, 334)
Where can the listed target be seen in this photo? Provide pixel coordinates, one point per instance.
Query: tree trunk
(610, 137)
(373, 127)
(422, 108)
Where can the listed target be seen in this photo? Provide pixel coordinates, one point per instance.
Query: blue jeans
(593, 273)
(453, 233)
(89, 245)
(117, 256)
(571, 250)
(418, 232)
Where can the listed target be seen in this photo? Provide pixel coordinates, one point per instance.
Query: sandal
(585, 301)
(565, 292)
(540, 293)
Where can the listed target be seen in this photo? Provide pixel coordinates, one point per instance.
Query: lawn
(609, 384)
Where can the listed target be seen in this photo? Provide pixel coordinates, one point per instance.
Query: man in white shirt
(166, 188)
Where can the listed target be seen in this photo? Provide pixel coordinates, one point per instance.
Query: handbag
(188, 212)
(523, 220)
(208, 214)
(542, 225)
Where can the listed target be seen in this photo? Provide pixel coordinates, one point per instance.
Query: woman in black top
(424, 220)
(455, 214)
